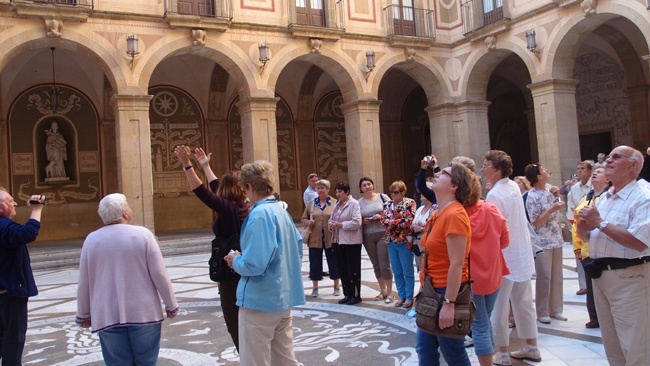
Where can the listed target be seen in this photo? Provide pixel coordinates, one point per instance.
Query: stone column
(459, 129)
(133, 145)
(259, 132)
(363, 142)
(639, 116)
(557, 126)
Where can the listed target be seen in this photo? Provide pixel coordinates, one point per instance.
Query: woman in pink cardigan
(121, 280)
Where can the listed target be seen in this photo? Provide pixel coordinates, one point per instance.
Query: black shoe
(354, 300)
(345, 300)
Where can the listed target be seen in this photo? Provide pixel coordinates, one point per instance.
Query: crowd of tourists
(480, 231)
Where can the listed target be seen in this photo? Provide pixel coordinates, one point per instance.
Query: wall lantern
(531, 44)
(264, 53)
(132, 47)
(370, 62)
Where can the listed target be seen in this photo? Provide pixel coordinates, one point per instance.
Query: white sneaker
(530, 354)
(314, 292)
(501, 359)
(337, 291)
(544, 319)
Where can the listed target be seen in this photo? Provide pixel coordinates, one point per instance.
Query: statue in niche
(55, 149)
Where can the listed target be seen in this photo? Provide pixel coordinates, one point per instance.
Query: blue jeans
(131, 345)
(482, 327)
(401, 260)
(452, 349)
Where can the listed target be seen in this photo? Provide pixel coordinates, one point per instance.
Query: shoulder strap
(383, 200)
(236, 217)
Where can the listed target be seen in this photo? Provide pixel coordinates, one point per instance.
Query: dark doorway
(594, 143)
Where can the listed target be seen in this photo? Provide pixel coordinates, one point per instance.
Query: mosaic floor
(325, 333)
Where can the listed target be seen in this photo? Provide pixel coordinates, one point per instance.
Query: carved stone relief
(175, 120)
(601, 102)
(331, 146)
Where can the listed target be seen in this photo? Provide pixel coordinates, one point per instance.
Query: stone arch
(228, 56)
(421, 69)
(104, 53)
(576, 28)
(481, 64)
(340, 66)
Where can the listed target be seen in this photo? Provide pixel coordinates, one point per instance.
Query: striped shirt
(628, 208)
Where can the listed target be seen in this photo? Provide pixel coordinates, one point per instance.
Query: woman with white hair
(122, 278)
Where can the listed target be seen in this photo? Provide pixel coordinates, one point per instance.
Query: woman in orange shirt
(446, 239)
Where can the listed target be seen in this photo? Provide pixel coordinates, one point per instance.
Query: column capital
(366, 105)
(256, 103)
(138, 102)
(567, 86)
(454, 108)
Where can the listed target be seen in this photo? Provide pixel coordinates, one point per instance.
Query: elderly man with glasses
(618, 232)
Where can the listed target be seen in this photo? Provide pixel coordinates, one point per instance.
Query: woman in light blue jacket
(347, 238)
(270, 268)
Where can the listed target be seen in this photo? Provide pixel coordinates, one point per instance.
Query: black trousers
(13, 327)
(348, 257)
(228, 294)
(591, 304)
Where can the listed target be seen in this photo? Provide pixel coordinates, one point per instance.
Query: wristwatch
(603, 224)
(449, 301)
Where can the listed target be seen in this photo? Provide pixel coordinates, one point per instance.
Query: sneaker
(544, 320)
(314, 292)
(337, 291)
(469, 342)
(592, 324)
(582, 291)
(530, 355)
(501, 359)
(559, 317)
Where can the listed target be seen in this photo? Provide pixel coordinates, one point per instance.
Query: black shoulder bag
(221, 246)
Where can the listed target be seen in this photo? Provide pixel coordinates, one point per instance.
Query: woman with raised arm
(225, 197)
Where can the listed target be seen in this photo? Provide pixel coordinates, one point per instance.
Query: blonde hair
(524, 181)
(259, 174)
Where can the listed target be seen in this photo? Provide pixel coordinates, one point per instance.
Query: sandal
(399, 303)
(381, 296)
(388, 299)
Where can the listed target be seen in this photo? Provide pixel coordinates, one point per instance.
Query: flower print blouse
(549, 233)
(397, 220)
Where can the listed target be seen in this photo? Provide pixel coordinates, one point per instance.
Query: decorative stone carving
(198, 37)
(410, 54)
(315, 45)
(53, 28)
(589, 7)
(491, 43)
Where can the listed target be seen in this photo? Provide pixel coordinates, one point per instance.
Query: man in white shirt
(310, 192)
(618, 232)
(516, 286)
(576, 193)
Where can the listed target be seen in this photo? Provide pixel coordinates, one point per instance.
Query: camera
(429, 160)
(37, 202)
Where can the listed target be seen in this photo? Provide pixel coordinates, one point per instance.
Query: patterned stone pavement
(325, 333)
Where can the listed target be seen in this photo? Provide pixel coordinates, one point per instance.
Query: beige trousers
(265, 339)
(520, 296)
(622, 298)
(549, 285)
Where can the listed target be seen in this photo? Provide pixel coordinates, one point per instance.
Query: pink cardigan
(489, 236)
(122, 277)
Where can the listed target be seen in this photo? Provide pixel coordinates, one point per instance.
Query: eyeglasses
(446, 173)
(395, 192)
(486, 166)
(535, 169)
(616, 156)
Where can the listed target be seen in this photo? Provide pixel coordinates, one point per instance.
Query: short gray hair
(324, 182)
(468, 162)
(259, 174)
(112, 208)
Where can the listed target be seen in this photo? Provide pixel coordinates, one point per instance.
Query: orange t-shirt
(452, 220)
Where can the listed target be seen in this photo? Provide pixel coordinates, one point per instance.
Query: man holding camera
(618, 232)
(16, 278)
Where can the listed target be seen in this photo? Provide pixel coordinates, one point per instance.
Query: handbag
(305, 231)
(429, 303)
(221, 246)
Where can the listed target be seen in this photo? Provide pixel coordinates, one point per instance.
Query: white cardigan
(350, 217)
